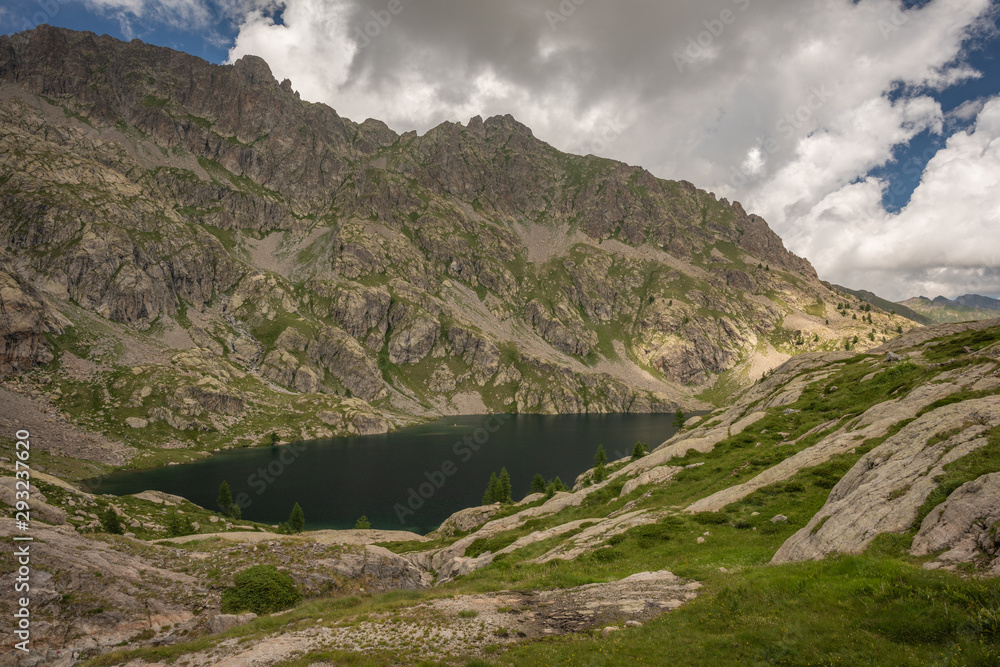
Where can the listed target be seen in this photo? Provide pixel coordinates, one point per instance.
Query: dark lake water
(412, 479)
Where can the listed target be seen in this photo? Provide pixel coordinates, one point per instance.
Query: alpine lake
(411, 479)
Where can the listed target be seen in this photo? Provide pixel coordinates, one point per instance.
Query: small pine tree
(538, 484)
(363, 523)
(297, 519)
(856, 339)
(110, 522)
(235, 511)
(505, 497)
(600, 473)
(601, 457)
(274, 439)
(492, 490)
(899, 329)
(225, 499)
(679, 418)
(639, 451)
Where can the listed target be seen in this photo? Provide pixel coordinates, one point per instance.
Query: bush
(110, 522)
(261, 589)
(363, 523)
(179, 525)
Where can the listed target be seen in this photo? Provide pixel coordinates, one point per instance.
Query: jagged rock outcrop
(347, 361)
(413, 339)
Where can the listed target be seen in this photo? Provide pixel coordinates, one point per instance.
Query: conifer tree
(225, 499)
(600, 458)
(297, 519)
(638, 451)
(538, 484)
(110, 522)
(505, 489)
(492, 490)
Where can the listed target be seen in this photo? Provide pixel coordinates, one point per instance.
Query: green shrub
(110, 522)
(261, 589)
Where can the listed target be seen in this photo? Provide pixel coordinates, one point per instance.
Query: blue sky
(862, 130)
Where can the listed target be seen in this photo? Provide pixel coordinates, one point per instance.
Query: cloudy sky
(866, 132)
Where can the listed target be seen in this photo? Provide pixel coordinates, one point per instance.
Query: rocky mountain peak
(255, 70)
(473, 268)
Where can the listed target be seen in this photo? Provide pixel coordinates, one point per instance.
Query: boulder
(963, 524)
(223, 622)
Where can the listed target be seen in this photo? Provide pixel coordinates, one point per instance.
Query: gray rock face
(467, 519)
(884, 490)
(381, 569)
(357, 308)
(24, 320)
(564, 329)
(477, 351)
(279, 366)
(223, 622)
(413, 339)
(307, 381)
(963, 524)
(344, 357)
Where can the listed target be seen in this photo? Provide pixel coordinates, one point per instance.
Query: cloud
(784, 106)
(943, 242)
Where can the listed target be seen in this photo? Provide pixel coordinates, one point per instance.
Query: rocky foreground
(893, 454)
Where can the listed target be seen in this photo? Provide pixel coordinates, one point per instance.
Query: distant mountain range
(885, 304)
(963, 309)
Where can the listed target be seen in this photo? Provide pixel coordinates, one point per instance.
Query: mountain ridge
(347, 279)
